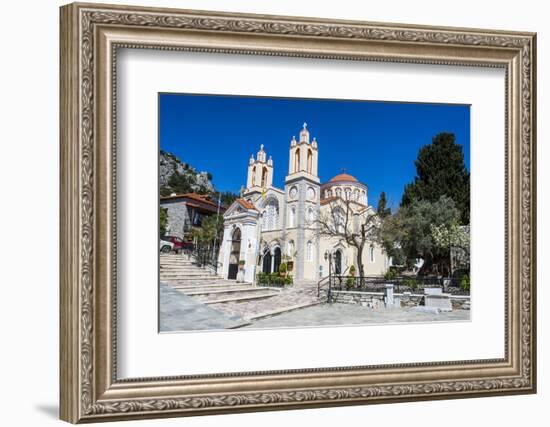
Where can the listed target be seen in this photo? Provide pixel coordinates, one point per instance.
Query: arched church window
(271, 215)
(371, 253)
(348, 193)
(310, 216)
(338, 192)
(309, 161)
(264, 177)
(264, 221)
(292, 217)
(297, 161)
(253, 176)
(290, 248)
(356, 223)
(309, 250)
(339, 220)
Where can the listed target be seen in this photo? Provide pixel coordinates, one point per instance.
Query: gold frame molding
(90, 36)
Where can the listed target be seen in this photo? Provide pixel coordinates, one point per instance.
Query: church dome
(344, 186)
(343, 177)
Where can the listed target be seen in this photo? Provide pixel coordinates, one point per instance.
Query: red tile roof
(194, 196)
(246, 204)
(343, 177)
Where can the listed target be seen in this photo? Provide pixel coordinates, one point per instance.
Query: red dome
(343, 177)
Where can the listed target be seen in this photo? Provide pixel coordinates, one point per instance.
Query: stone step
(205, 287)
(187, 273)
(180, 279)
(177, 262)
(238, 299)
(225, 290)
(280, 311)
(193, 271)
(202, 285)
(181, 266)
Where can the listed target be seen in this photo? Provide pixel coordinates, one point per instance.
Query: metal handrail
(205, 256)
(321, 285)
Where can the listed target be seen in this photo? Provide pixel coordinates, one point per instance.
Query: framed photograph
(266, 212)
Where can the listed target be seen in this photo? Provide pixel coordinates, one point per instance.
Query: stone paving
(188, 296)
(350, 314)
(179, 312)
(290, 296)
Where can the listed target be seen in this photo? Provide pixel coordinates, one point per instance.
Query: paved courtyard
(350, 314)
(180, 312)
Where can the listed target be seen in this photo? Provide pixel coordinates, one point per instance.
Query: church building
(269, 225)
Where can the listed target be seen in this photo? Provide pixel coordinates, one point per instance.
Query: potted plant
(350, 281)
(241, 264)
(288, 261)
(283, 269)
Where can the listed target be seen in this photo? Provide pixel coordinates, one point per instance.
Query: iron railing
(378, 284)
(205, 256)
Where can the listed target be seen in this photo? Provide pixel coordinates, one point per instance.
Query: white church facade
(270, 225)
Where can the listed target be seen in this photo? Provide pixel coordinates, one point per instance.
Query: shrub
(288, 280)
(465, 283)
(352, 270)
(350, 281)
(283, 268)
(390, 274)
(262, 279)
(411, 283)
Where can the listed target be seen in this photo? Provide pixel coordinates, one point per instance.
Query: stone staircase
(234, 299)
(289, 299)
(181, 273)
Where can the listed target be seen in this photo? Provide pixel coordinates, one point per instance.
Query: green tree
(211, 230)
(410, 233)
(228, 197)
(163, 220)
(440, 171)
(181, 183)
(382, 210)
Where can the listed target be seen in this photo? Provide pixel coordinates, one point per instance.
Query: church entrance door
(338, 262)
(234, 254)
(266, 266)
(276, 259)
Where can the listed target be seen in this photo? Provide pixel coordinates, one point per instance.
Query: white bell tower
(260, 172)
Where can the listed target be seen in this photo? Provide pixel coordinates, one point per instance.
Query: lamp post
(328, 256)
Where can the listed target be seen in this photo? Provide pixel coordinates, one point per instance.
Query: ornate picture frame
(90, 37)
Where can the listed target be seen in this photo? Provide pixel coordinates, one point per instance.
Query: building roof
(246, 204)
(328, 200)
(343, 177)
(331, 199)
(204, 201)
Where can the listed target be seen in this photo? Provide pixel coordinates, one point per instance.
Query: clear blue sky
(377, 142)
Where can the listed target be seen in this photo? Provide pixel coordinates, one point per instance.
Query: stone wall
(365, 299)
(409, 299)
(460, 302)
(178, 218)
(406, 299)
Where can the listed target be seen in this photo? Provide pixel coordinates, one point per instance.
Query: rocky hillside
(176, 176)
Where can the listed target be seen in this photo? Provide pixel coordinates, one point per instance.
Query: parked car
(166, 247)
(179, 245)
